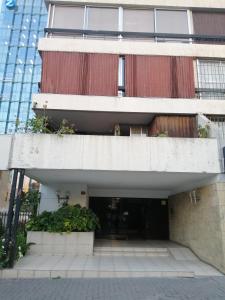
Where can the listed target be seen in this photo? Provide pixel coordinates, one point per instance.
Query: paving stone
(206, 288)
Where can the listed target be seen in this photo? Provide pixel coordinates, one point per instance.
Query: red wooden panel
(147, 76)
(176, 126)
(102, 75)
(183, 77)
(62, 73)
(79, 73)
(159, 76)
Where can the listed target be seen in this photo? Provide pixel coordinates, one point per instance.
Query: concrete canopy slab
(103, 183)
(117, 162)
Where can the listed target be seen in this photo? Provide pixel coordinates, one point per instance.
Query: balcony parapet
(115, 153)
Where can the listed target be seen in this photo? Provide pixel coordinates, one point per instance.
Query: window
(99, 18)
(211, 23)
(119, 19)
(171, 21)
(121, 76)
(138, 20)
(211, 79)
(138, 131)
(68, 17)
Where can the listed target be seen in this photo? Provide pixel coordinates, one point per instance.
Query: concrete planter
(74, 243)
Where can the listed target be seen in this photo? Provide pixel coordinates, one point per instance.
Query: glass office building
(20, 63)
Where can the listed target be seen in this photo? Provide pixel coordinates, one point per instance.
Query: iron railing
(160, 37)
(24, 217)
(210, 93)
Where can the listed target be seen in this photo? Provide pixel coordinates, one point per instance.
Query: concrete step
(18, 274)
(128, 251)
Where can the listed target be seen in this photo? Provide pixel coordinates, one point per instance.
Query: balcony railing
(159, 37)
(210, 93)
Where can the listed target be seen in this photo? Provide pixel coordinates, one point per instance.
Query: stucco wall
(201, 225)
(5, 151)
(4, 189)
(49, 200)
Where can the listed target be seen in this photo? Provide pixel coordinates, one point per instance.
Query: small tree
(30, 202)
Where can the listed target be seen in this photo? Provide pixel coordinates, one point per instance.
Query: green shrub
(38, 125)
(65, 219)
(203, 131)
(21, 248)
(21, 243)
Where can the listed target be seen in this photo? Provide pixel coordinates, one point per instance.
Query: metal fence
(24, 217)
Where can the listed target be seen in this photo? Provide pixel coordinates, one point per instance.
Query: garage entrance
(131, 218)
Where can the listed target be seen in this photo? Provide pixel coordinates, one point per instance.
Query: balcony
(160, 163)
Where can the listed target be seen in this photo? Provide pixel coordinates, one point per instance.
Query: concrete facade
(131, 47)
(77, 103)
(152, 3)
(115, 153)
(200, 225)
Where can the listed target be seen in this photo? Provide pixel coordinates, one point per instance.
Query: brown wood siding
(175, 126)
(79, 73)
(159, 76)
(102, 75)
(212, 23)
(62, 73)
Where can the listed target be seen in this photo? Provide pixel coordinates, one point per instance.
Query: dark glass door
(131, 218)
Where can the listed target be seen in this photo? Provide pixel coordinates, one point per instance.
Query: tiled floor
(111, 260)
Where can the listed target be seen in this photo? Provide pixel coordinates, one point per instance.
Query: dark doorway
(131, 218)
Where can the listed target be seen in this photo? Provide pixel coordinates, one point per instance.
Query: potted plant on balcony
(69, 230)
(203, 131)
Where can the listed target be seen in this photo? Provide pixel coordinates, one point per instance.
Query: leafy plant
(21, 248)
(65, 128)
(30, 202)
(65, 219)
(38, 125)
(162, 134)
(21, 243)
(203, 131)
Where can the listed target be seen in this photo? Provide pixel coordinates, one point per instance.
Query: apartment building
(143, 82)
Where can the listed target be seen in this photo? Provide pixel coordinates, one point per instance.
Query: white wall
(115, 153)
(49, 200)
